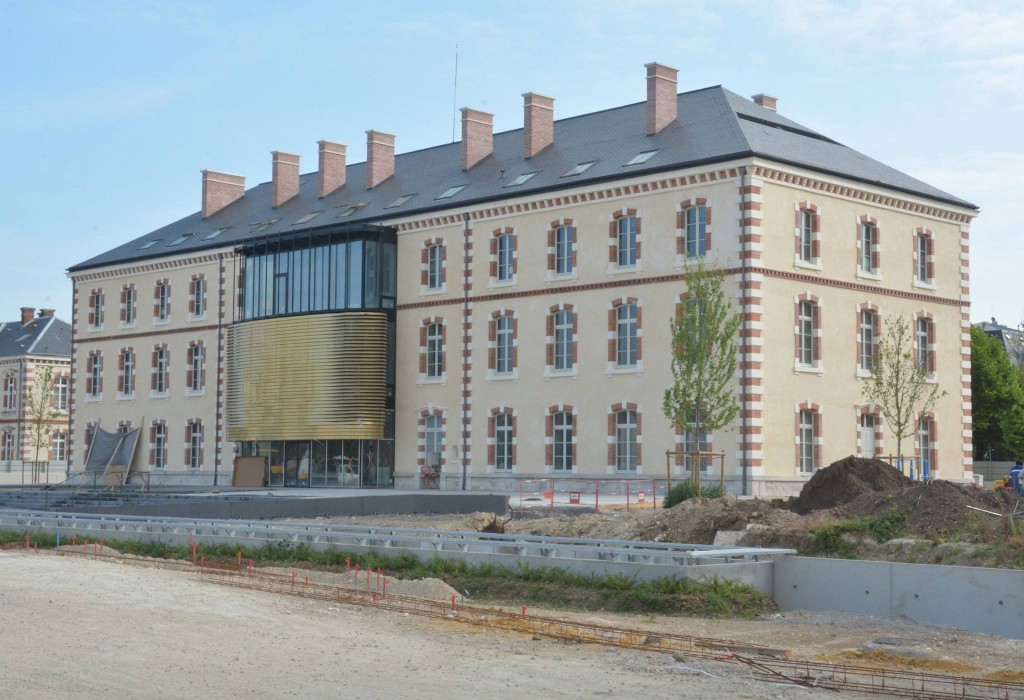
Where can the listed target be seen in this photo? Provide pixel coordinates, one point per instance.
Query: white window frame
(563, 341)
(199, 297)
(433, 441)
(10, 391)
(160, 445)
(868, 242)
(161, 370)
(61, 393)
(504, 345)
(805, 438)
(805, 330)
(563, 251)
(562, 442)
(128, 373)
(195, 445)
(505, 269)
(626, 441)
(503, 441)
(867, 424)
(59, 446)
(626, 242)
(807, 236)
(96, 375)
(97, 310)
(130, 311)
(922, 333)
(627, 354)
(691, 443)
(163, 302)
(7, 445)
(695, 221)
(435, 351)
(866, 355)
(196, 366)
(435, 267)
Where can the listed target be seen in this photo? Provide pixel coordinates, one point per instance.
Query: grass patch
(832, 540)
(551, 587)
(685, 490)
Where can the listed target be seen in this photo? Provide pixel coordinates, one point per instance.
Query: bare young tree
(899, 384)
(41, 413)
(703, 355)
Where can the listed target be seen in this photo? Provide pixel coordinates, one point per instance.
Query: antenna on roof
(455, 92)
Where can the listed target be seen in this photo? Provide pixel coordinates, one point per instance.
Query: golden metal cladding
(321, 376)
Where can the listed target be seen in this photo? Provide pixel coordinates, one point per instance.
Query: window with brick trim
(503, 346)
(624, 429)
(560, 438)
(432, 348)
(433, 265)
(562, 248)
(126, 372)
(808, 438)
(927, 439)
(924, 342)
(7, 445)
(808, 332)
(924, 256)
(94, 375)
(124, 427)
(501, 439)
(59, 446)
(195, 374)
(90, 430)
(197, 296)
(869, 432)
(61, 393)
(158, 445)
(162, 301)
(128, 305)
(431, 439)
(10, 398)
(868, 333)
(504, 253)
(868, 246)
(689, 441)
(562, 350)
(624, 248)
(194, 444)
(694, 223)
(96, 308)
(808, 234)
(625, 344)
(160, 378)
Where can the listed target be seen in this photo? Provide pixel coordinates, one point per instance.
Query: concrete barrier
(968, 597)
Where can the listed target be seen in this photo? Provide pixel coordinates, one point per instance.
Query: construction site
(231, 623)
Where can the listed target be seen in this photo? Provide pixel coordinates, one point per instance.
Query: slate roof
(714, 125)
(49, 337)
(1011, 338)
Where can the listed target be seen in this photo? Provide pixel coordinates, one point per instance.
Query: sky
(111, 109)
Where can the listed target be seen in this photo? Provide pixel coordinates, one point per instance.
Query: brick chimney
(220, 190)
(661, 96)
(27, 312)
(285, 178)
(46, 313)
(538, 123)
(380, 157)
(766, 101)
(477, 136)
(332, 167)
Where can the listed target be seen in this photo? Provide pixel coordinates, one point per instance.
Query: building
(498, 309)
(30, 348)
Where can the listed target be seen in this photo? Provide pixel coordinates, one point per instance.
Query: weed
(685, 490)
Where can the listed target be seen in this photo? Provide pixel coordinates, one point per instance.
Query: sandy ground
(77, 628)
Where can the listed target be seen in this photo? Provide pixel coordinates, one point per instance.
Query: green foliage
(701, 397)
(997, 401)
(898, 385)
(685, 490)
(830, 539)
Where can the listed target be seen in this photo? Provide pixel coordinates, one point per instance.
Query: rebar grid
(771, 664)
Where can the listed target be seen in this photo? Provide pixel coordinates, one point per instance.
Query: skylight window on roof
(580, 169)
(264, 225)
(350, 209)
(180, 239)
(642, 157)
(521, 179)
(308, 217)
(451, 191)
(214, 234)
(400, 201)
(149, 244)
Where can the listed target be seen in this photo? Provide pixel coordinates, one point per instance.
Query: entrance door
(867, 435)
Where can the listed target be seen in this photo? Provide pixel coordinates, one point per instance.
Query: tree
(898, 384)
(703, 355)
(41, 413)
(997, 401)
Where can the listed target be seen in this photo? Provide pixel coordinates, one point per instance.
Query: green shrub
(685, 490)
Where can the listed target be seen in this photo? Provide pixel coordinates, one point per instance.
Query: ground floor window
(353, 463)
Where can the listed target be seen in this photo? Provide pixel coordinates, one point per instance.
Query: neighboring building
(27, 346)
(501, 306)
(1011, 338)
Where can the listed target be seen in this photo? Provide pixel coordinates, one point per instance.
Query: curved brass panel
(321, 376)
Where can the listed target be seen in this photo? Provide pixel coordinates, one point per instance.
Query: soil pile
(697, 520)
(845, 480)
(938, 509)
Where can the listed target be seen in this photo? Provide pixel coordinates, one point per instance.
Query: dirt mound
(938, 509)
(845, 480)
(696, 520)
